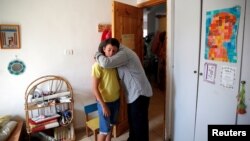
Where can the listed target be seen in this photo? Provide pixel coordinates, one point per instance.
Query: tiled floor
(156, 123)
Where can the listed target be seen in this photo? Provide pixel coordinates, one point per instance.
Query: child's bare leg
(101, 137)
(109, 135)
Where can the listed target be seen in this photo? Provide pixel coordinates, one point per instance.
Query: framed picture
(210, 72)
(9, 36)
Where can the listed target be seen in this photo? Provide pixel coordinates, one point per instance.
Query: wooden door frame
(151, 3)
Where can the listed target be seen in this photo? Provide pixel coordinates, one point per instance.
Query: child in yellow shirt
(106, 89)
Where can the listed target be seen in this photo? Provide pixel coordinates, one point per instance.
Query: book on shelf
(33, 124)
(46, 126)
(41, 119)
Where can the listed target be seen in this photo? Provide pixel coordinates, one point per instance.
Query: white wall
(130, 2)
(141, 1)
(48, 27)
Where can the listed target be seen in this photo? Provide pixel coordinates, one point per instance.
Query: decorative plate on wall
(16, 67)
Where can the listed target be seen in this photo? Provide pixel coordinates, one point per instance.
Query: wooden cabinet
(49, 107)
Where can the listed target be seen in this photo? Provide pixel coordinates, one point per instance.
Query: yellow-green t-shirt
(109, 85)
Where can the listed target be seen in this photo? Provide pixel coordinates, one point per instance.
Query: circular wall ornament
(16, 67)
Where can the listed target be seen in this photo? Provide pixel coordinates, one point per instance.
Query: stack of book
(43, 122)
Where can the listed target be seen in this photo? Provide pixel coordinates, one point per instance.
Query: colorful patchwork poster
(221, 34)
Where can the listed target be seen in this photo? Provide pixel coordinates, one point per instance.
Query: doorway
(127, 27)
(154, 63)
(154, 39)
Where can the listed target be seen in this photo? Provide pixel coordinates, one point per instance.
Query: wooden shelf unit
(55, 87)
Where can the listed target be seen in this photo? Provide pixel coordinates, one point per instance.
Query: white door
(220, 63)
(186, 38)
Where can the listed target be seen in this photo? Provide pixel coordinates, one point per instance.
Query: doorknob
(200, 73)
(243, 82)
(195, 71)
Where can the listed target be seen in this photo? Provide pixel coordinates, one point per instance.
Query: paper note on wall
(227, 76)
(128, 40)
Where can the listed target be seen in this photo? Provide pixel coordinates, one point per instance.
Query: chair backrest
(90, 108)
(92, 122)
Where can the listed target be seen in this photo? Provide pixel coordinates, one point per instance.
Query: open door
(127, 28)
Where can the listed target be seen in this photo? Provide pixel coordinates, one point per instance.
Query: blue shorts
(106, 122)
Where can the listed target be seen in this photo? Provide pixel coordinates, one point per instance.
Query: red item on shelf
(106, 34)
(33, 124)
(44, 119)
(46, 126)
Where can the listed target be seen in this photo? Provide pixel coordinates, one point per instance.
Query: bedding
(4, 119)
(7, 129)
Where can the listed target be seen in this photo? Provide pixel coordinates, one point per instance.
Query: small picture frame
(9, 36)
(210, 72)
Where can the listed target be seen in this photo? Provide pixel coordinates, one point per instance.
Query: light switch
(68, 52)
